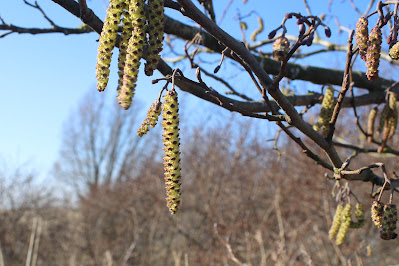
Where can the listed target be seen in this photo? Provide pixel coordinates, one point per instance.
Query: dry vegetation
(239, 206)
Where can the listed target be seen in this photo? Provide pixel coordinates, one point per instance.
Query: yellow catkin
(155, 34)
(371, 123)
(394, 51)
(373, 53)
(346, 219)
(359, 214)
(281, 47)
(389, 220)
(107, 42)
(134, 53)
(336, 222)
(171, 149)
(326, 112)
(362, 36)
(377, 210)
(258, 30)
(151, 120)
(126, 33)
(383, 118)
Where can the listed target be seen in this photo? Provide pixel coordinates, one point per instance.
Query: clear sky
(43, 77)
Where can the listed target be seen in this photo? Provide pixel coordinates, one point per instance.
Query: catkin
(359, 214)
(373, 53)
(171, 149)
(155, 34)
(346, 219)
(326, 112)
(281, 46)
(370, 124)
(151, 120)
(107, 41)
(336, 222)
(258, 30)
(377, 210)
(394, 51)
(134, 53)
(126, 33)
(362, 36)
(388, 222)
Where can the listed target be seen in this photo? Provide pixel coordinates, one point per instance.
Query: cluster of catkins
(343, 221)
(140, 29)
(171, 141)
(369, 45)
(385, 217)
(326, 112)
(387, 124)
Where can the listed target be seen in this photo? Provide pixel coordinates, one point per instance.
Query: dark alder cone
(171, 149)
(373, 53)
(155, 34)
(362, 36)
(281, 46)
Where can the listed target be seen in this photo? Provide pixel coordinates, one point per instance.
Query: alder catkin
(171, 149)
(346, 219)
(336, 222)
(327, 110)
(126, 33)
(359, 214)
(134, 53)
(107, 42)
(373, 53)
(371, 123)
(258, 30)
(155, 34)
(281, 47)
(377, 211)
(388, 222)
(151, 120)
(394, 51)
(362, 36)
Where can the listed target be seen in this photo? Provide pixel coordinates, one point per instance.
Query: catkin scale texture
(171, 149)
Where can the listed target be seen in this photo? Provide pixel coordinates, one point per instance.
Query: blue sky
(44, 77)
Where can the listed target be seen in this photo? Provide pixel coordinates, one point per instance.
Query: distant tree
(99, 142)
